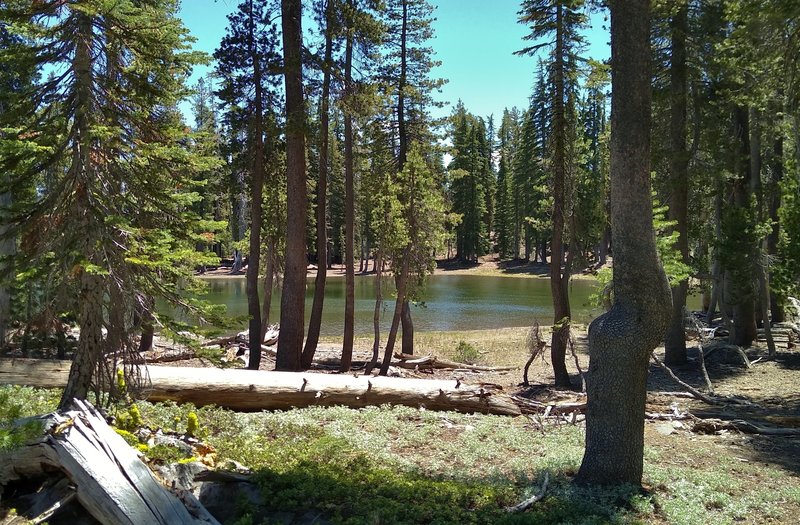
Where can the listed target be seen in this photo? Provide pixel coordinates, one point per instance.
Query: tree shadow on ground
(520, 267)
(761, 395)
(315, 493)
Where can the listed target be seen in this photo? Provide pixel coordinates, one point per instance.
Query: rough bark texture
(675, 340)
(742, 294)
(260, 390)
(290, 344)
(322, 197)
(621, 340)
(256, 192)
(559, 281)
(349, 214)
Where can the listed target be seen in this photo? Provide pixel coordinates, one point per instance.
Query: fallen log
(109, 479)
(260, 390)
(711, 426)
(412, 361)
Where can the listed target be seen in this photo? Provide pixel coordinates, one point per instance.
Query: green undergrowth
(401, 465)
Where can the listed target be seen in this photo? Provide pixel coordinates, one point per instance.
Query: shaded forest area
(678, 162)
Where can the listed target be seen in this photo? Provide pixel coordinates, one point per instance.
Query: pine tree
(560, 23)
(109, 136)
(290, 344)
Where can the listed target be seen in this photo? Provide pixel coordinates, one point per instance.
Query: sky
(474, 39)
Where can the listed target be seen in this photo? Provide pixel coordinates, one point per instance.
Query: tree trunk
(269, 284)
(256, 191)
(8, 249)
(322, 197)
(376, 314)
(675, 340)
(743, 296)
(349, 213)
(90, 343)
(622, 339)
(401, 282)
(559, 282)
(776, 309)
(408, 329)
(290, 344)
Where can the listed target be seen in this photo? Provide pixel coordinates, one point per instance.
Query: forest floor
(714, 476)
(404, 465)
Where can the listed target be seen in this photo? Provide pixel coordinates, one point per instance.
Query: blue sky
(474, 39)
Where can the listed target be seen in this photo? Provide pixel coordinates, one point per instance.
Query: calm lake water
(451, 302)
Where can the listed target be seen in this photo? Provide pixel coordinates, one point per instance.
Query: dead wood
(524, 505)
(696, 393)
(110, 481)
(261, 390)
(412, 361)
(711, 426)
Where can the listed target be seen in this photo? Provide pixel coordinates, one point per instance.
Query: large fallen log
(109, 479)
(260, 390)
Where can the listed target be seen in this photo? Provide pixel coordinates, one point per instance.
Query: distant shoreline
(489, 265)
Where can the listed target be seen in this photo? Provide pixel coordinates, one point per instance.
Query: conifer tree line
(317, 145)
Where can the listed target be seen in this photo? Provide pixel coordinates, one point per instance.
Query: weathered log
(260, 390)
(710, 426)
(412, 361)
(110, 480)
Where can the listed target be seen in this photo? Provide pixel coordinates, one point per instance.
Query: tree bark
(349, 211)
(621, 340)
(675, 340)
(743, 296)
(776, 309)
(559, 281)
(290, 344)
(322, 196)
(256, 191)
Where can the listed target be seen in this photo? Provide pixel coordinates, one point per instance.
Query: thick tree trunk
(621, 340)
(322, 197)
(290, 344)
(559, 282)
(675, 340)
(260, 390)
(743, 296)
(256, 192)
(349, 214)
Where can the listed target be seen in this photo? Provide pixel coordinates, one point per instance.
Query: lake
(451, 302)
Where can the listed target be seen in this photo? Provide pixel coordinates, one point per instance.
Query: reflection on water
(451, 302)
